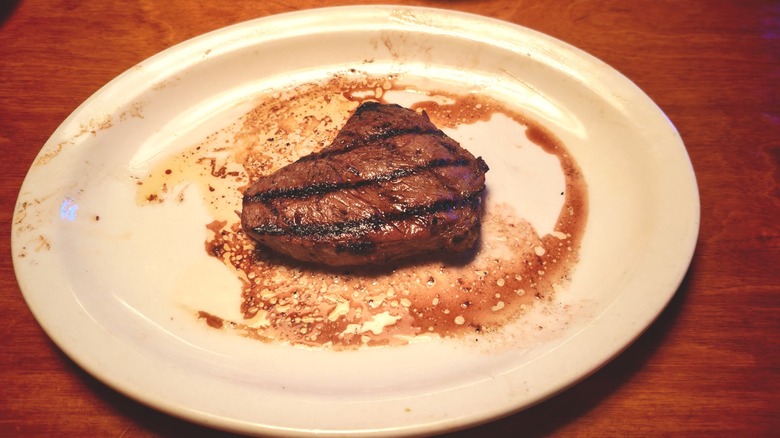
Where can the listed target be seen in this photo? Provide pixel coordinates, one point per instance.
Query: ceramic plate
(115, 249)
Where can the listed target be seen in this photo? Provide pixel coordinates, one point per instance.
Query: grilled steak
(391, 185)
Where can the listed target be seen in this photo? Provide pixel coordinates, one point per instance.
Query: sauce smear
(511, 268)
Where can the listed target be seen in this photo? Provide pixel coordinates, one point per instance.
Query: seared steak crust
(390, 185)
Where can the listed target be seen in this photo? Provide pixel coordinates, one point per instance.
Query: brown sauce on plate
(455, 296)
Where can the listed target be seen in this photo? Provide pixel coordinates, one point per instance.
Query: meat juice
(511, 269)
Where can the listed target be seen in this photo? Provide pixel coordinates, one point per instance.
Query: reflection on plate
(591, 221)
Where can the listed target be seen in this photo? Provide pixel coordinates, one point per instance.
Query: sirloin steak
(390, 185)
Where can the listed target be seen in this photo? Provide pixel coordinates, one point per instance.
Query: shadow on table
(554, 414)
(7, 8)
(145, 419)
(538, 421)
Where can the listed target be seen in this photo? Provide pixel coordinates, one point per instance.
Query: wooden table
(709, 366)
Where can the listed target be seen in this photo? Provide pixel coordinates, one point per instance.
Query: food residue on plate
(511, 270)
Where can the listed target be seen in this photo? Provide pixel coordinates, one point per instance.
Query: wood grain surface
(708, 367)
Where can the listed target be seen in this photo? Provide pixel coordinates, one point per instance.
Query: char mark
(329, 187)
(375, 222)
(356, 248)
(373, 138)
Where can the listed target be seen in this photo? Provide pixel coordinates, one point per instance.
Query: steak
(389, 186)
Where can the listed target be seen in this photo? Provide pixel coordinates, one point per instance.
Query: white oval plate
(102, 291)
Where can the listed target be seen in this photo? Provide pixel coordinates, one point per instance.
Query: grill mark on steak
(323, 188)
(374, 138)
(375, 222)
